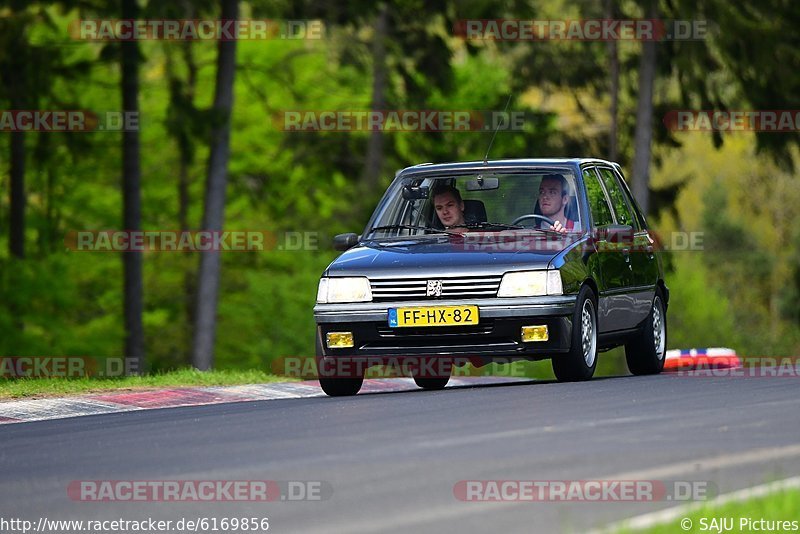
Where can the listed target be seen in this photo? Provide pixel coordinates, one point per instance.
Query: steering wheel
(533, 216)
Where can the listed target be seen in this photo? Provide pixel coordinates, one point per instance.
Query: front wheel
(332, 384)
(581, 360)
(437, 379)
(646, 352)
(340, 387)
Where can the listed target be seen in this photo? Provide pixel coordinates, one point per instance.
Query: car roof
(499, 164)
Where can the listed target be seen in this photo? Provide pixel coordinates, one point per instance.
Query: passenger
(553, 200)
(449, 208)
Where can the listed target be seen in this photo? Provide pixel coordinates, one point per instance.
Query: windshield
(491, 202)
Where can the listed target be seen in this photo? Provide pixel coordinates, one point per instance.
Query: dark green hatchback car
(494, 261)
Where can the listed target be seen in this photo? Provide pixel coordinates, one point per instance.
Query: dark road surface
(392, 460)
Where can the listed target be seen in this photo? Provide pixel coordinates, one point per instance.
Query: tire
(340, 387)
(581, 360)
(336, 386)
(434, 382)
(646, 351)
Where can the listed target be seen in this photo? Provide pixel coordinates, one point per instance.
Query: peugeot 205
(490, 261)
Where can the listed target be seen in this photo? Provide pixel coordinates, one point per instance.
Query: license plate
(433, 316)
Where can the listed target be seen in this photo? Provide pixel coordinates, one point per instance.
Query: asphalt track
(392, 460)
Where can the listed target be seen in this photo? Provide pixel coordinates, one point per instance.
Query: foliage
(742, 289)
(736, 289)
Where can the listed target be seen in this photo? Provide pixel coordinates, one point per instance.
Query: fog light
(339, 340)
(535, 333)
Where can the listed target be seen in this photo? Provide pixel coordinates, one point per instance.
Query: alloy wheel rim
(588, 333)
(658, 329)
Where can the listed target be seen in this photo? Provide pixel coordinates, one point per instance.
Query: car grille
(485, 327)
(394, 289)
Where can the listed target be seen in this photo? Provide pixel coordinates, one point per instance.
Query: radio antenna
(486, 157)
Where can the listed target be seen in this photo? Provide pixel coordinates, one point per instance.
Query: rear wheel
(332, 384)
(581, 360)
(646, 352)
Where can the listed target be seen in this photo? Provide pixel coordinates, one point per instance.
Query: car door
(616, 274)
(645, 262)
(638, 253)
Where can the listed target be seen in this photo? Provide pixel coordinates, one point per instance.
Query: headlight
(530, 284)
(332, 290)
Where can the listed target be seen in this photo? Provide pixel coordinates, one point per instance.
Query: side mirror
(617, 233)
(344, 242)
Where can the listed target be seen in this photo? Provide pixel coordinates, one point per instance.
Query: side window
(617, 197)
(601, 212)
(636, 213)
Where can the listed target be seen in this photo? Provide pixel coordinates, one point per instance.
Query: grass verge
(56, 387)
(780, 512)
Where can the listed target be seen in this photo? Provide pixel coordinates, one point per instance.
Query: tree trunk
(131, 198)
(644, 118)
(184, 200)
(613, 60)
(373, 163)
(15, 77)
(182, 102)
(184, 144)
(185, 103)
(17, 194)
(214, 210)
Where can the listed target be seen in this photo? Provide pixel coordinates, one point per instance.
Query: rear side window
(634, 208)
(598, 205)
(617, 197)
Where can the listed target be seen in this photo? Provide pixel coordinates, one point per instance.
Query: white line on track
(660, 517)
(458, 510)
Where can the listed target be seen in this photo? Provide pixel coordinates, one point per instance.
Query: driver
(553, 200)
(449, 208)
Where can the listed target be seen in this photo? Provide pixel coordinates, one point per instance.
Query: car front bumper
(497, 335)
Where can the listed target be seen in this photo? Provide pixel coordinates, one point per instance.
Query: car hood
(464, 255)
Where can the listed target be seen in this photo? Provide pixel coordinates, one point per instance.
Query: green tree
(214, 212)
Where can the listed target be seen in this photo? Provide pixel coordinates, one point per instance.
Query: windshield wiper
(410, 227)
(498, 225)
(516, 227)
(556, 232)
